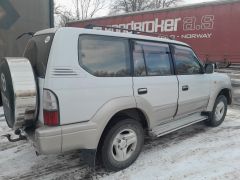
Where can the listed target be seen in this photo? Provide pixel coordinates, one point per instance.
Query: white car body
(88, 103)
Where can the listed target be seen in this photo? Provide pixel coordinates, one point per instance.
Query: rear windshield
(37, 51)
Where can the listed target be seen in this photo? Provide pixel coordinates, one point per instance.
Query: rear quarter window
(37, 51)
(104, 56)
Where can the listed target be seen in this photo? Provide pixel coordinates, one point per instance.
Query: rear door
(155, 85)
(194, 85)
(37, 52)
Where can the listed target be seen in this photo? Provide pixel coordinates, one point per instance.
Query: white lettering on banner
(138, 26)
(157, 25)
(130, 25)
(168, 25)
(206, 22)
(150, 26)
(196, 36)
(189, 23)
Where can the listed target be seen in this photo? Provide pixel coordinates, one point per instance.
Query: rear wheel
(218, 114)
(122, 144)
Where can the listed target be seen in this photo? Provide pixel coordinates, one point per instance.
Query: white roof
(109, 33)
(46, 31)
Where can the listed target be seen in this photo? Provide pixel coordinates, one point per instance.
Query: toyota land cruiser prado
(101, 91)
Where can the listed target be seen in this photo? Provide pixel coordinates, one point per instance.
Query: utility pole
(77, 9)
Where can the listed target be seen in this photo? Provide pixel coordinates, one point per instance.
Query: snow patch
(195, 152)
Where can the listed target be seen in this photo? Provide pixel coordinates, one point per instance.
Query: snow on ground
(195, 152)
(192, 153)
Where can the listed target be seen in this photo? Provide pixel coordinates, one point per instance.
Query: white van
(101, 91)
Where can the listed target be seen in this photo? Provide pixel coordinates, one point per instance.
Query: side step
(174, 125)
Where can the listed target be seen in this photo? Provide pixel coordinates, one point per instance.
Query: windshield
(37, 51)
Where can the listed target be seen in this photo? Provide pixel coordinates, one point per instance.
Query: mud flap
(89, 157)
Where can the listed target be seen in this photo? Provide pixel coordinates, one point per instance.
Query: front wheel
(122, 144)
(218, 114)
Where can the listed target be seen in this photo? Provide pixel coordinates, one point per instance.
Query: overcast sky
(68, 4)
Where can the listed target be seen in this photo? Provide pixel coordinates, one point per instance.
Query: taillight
(50, 108)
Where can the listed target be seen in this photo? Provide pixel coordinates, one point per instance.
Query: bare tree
(156, 4)
(88, 8)
(125, 6)
(63, 16)
(119, 6)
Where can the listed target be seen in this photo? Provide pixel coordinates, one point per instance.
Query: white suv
(100, 91)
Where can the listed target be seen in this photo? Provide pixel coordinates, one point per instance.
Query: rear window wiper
(26, 33)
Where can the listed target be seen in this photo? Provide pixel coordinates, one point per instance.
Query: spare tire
(18, 91)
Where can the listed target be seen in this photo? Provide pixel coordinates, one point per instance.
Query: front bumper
(51, 140)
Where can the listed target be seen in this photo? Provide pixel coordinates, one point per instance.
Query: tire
(114, 145)
(219, 112)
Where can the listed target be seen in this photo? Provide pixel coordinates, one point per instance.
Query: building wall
(19, 16)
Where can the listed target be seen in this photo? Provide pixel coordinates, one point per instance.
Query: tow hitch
(17, 132)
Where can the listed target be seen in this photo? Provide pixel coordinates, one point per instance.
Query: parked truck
(211, 28)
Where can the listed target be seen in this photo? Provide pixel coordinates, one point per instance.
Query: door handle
(185, 88)
(142, 91)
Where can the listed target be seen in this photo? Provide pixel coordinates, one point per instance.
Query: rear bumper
(50, 140)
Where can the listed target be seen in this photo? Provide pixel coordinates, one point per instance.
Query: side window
(186, 61)
(151, 59)
(104, 56)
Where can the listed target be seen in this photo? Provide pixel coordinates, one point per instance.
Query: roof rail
(92, 26)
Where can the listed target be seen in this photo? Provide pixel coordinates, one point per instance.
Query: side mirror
(209, 68)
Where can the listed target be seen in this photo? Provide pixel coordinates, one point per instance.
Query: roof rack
(92, 26)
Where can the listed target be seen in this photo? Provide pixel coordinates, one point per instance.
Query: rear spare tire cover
(18, 91)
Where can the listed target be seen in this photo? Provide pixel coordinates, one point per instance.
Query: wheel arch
(227, 93)
(133, 113)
